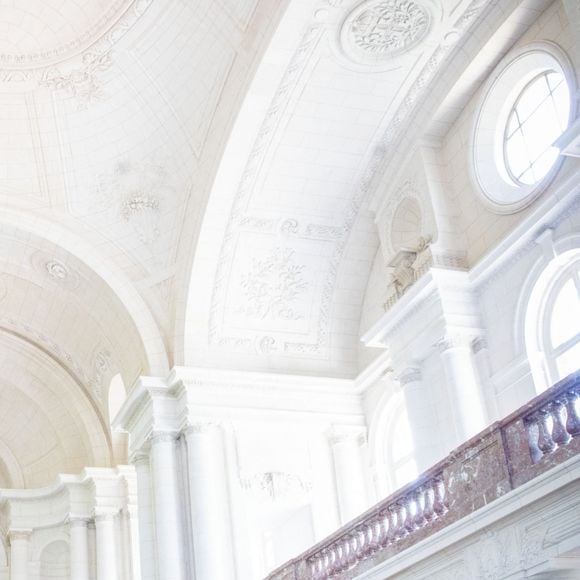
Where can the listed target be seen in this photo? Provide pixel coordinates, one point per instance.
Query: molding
(548, 212)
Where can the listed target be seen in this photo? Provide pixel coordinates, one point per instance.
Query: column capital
(79, 521)
(105, 515)
(410, 374)
(163, 437)
(458, 339)
(139, 458)
(346, 434)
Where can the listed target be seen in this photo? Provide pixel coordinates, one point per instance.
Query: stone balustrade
(509, 453)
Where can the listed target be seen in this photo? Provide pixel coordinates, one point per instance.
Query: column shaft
(166, 507)
(79, 549)
(106, 554)
(465, 392)
(19, 542)
(351, 483)
(146, 531)
(210, 504)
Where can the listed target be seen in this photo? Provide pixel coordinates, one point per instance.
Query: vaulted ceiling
(187, 181)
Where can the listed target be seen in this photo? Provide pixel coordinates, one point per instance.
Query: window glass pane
(541, 130)
(533, 95)
(516, 153)
(565, 322)
(542, 165)
(541, 111)
(569, 361)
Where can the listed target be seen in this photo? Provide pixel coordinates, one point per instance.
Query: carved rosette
(385, 28)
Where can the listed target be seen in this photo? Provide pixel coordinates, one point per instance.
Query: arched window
(553, 321)
(538, 117)
(562, 324)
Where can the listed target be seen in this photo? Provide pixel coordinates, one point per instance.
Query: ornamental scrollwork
(386, 28)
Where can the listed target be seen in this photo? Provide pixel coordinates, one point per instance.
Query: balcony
(494, 471)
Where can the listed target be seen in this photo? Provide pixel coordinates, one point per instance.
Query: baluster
(353, 545)
(559, 434)
(337, 562)
(360, 548)
(368, 538)
(573, 419)
(410, 510)
(373, 535)
(318, 567)
(419, 518)
(329, 559)
(533, 432)
(393, 524)
(428, 498)
(545, 442)
(440, 501)
(345, 551)
(384, 529)
(401, 519)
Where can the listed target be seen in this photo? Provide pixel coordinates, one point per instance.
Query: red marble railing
(540, 435)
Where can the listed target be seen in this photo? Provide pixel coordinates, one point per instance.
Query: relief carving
(274, 485)
(408, 265)
(84, 82)
(386, 28)
(273, 286)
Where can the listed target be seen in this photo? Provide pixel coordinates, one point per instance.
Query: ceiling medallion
(56, 270)
(385, 28)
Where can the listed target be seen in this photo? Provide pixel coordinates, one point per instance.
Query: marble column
(325, 511)
(421, 414)
(106, 553)
(79, 549)
(134, 536)
(350, 473)
(19, 545)
(166, 507)
(146, 531)
(464, 391)
(210, 503)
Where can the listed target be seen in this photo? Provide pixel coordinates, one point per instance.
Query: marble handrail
(538, 436)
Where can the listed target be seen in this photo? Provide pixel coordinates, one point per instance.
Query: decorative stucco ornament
(385, 28)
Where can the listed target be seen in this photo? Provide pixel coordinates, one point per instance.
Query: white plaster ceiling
(119, 119)
(288, 242)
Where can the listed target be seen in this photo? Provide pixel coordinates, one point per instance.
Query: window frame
(489, 170)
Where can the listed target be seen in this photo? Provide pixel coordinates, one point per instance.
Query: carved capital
(456, 339)
(78, 521)
(410, 375)
(339, 435)
(139, 458)
(479, 343)
(105, 515)
(163, 437)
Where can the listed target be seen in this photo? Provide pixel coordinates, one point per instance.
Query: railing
(540, 435)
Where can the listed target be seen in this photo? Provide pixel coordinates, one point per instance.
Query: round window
(525, 107)
(538, 117)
